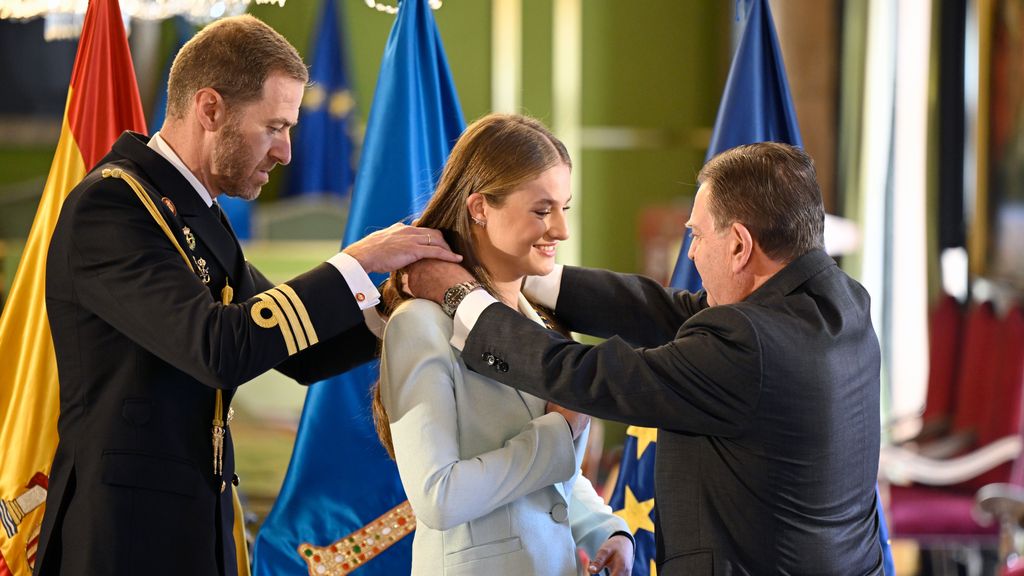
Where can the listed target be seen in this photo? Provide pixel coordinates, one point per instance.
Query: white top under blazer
(494, 481)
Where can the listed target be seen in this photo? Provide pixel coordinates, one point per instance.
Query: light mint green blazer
(493, 480)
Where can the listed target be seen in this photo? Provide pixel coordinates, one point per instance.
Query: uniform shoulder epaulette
(151, 207)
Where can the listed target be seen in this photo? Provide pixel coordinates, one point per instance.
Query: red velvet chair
(1003, 502)
(932, 498)
(945, 339)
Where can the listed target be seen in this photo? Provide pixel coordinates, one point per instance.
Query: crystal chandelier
(393, 9)
(64, 17)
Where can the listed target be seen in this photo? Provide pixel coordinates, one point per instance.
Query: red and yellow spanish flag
(103, 100)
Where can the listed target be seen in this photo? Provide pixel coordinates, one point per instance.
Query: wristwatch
(454, 295)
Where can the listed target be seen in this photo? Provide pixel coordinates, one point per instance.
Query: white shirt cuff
(466, 315)
(358, 281)
(543, 290)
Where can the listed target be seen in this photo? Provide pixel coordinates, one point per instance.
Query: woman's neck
(506, 282)
(508, 291)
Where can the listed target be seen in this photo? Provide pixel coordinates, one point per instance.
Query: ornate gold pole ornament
(346, 555)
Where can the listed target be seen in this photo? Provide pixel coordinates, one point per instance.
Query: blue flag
(756, 107)
(322, 151)
(633, 496)
(340, 479)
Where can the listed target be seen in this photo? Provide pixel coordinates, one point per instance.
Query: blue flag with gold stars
(633, 497)
(322, 154)
(756, 107)
(342, 506)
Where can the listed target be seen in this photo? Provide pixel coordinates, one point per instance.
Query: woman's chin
(542, 269)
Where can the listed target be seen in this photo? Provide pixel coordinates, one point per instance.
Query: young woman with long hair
(492, 474)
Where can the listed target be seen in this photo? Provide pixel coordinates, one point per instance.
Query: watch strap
(454, 296)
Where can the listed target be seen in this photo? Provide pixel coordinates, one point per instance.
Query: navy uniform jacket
(767, 410)
(142, 343)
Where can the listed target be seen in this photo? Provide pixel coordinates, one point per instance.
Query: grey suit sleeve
(705, 381)
(635, 308)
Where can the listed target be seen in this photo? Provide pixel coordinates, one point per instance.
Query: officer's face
(256, 138)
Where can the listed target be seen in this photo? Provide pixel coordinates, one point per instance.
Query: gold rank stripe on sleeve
(150, 207)
(300, 310)
(288, 313)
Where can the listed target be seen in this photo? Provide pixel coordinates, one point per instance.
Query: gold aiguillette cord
(226, 295)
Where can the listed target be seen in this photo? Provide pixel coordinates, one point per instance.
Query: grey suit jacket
(493, 480)
(767, 410)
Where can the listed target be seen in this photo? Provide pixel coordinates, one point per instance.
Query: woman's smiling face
(521, 235)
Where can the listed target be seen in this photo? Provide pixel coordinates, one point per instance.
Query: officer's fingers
(438, 253)
(428, 236)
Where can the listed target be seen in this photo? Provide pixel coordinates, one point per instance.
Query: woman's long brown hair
(495, 156)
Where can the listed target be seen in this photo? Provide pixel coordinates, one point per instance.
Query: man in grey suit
(764, 386)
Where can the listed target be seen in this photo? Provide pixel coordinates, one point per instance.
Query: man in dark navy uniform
(157, 317)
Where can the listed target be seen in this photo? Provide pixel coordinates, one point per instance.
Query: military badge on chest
(202, 270)
(201, 267)
(190, 238)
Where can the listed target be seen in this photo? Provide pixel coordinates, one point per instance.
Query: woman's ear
(477, 205)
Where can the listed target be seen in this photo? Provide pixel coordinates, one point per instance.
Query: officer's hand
(398, 246)
(577, 421)
(430, 278)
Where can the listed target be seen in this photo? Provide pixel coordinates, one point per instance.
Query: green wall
(654, 66)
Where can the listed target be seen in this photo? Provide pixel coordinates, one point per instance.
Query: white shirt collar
(164, 149)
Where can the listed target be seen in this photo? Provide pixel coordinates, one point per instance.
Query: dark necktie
(239, 257)
(223, 219)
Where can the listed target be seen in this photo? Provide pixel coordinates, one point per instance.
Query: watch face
(454, 295)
